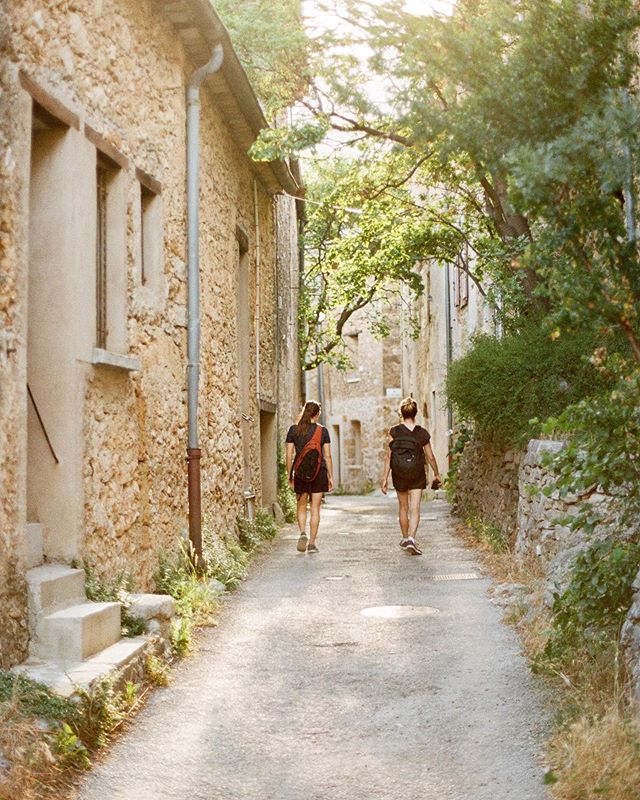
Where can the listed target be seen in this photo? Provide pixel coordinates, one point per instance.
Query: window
(151, 242)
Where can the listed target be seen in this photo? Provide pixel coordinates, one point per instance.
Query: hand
(384, 486)
(330, 484)
(291, 486)
(437, 482)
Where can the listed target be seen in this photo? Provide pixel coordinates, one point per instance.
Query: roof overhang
(200, 28)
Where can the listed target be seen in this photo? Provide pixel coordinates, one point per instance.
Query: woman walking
(310, 470)
(409, 448)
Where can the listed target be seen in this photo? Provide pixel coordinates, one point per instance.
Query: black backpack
(407, 456)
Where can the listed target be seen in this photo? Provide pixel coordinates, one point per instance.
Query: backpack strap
(314, 440)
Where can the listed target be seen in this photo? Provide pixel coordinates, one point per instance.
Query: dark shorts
(403, 485)
(320, 484)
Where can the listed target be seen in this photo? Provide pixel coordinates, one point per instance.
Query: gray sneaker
(302, 543)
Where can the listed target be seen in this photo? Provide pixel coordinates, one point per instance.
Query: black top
(420, 433)
(299, 441)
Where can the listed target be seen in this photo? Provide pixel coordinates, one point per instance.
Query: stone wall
(487, 484)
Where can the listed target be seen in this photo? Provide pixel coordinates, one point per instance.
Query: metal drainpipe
(193, 293)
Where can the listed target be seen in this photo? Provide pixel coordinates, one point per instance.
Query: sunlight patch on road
(399, 612)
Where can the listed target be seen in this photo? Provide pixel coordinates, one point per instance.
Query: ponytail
(311, 409)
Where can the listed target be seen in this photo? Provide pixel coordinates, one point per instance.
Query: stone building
(360, 404)
(93, 289)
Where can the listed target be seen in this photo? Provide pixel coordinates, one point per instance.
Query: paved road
(353, 674)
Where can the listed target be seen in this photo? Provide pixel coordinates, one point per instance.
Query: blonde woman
(409, 450)
(306, 435)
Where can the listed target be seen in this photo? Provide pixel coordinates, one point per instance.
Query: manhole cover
(457, 576)
(334, 578)
(399, 612)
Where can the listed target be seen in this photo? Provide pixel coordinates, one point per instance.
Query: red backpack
(307, 463)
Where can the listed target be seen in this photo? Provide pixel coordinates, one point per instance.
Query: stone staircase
(73, 641)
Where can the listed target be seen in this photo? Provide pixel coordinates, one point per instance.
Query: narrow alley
(360, 672)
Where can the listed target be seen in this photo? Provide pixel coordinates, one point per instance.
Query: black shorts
(320, 484)
(404, 484)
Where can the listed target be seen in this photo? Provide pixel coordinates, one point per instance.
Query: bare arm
(432, 461)
(289, 456)
(384, 484)
(326, 452)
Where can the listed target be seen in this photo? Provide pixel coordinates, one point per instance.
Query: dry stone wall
(487, 484)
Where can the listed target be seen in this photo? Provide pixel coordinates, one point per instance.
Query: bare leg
(415, 496)
(302, 512)
(403, 512)
(316, 499)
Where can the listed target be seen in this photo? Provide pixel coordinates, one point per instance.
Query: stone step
(34, 545)
(64, 679)
(52, 587)
(78, 632)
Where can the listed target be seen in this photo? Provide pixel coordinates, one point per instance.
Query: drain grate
(457, 576)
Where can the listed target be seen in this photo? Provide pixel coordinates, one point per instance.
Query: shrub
(178, 577)
(592, 608)
(501, 384)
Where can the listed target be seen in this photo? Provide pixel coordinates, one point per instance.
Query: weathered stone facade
(487, 484)
(104, 83)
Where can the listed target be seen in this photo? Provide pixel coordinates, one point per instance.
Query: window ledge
(105, 358)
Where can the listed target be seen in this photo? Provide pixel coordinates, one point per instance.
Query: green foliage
(178, 577)
(462, 437)
(502, 384)
(603, 438)
(592, 608)
(268, 38)
(99, 710)
(181, 636)
(489, 533)
(362, 247)
(156, 670)
(70, 748)
(226, 561)
(34, 698)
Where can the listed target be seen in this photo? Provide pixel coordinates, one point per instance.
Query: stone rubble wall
(538, 520)
(487, 484)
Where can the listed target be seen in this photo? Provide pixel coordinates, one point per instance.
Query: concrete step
(65, 678)
(76, 633)
(33, 544)
(54, 586)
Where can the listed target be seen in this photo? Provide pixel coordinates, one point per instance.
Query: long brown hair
(311, 409)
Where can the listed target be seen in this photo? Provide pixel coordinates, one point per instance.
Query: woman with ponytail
(302, 438)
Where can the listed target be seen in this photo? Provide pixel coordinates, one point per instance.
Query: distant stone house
(93, 289)
(361, 403)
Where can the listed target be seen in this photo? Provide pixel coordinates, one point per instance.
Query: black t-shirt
(299, 440)
(421, 434)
